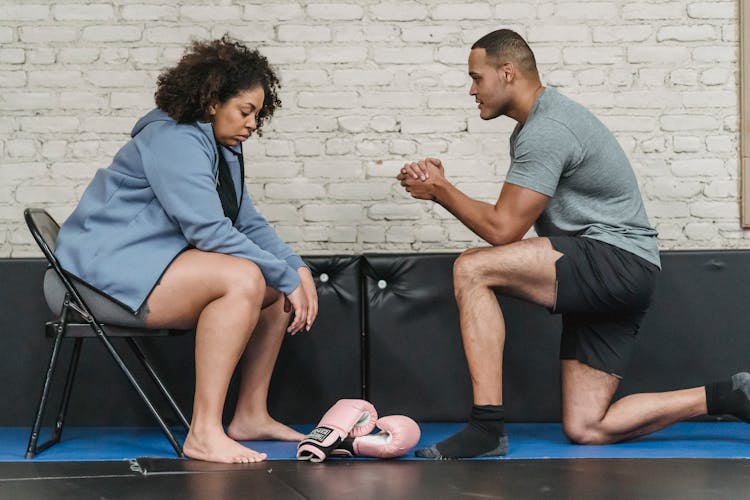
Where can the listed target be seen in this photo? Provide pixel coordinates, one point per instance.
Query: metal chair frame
(88, 326)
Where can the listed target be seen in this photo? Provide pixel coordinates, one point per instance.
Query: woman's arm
(253, 225)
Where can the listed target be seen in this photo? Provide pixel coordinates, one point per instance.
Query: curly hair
(213, 72)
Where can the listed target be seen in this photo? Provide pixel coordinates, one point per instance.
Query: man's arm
(507, 221)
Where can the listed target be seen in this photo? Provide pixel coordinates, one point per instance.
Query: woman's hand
(311, 293)
(297, 300)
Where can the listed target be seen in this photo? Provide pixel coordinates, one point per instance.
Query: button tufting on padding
(323, 277)
(382, 284)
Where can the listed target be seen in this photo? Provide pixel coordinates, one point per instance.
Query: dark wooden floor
(609, 479)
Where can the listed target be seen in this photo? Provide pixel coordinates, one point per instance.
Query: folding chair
(77, 321)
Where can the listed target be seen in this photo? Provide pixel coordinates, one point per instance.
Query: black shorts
(603, 293)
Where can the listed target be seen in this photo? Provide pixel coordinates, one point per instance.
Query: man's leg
(589, 417)
(525, 269)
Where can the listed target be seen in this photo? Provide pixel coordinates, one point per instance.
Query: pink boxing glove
(398, 435)
(347, 418)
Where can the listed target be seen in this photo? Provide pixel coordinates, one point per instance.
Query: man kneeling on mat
(595, 261)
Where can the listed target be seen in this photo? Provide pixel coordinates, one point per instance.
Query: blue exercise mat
(527, 441)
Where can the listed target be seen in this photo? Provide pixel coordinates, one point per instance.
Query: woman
(170, 236)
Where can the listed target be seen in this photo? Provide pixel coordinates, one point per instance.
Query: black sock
(730, 397)
(484, 433)
(490, 418)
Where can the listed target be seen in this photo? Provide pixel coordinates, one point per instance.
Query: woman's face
(235, 119)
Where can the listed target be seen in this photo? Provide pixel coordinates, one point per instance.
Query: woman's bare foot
(261, 429)
(216, 446)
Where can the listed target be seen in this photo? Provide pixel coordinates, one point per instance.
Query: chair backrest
(44, 229)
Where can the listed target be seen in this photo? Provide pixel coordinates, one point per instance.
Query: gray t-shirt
(565, 152)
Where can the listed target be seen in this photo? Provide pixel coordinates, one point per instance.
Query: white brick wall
(368, 85)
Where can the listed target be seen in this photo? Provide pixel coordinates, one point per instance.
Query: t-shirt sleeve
(541, 154)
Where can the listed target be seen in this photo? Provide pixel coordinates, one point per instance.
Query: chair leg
(72, 368)
(157, 380)
(32, 448)
(113, 352)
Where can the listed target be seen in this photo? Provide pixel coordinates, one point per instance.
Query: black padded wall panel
(695, 332)
(316, 369)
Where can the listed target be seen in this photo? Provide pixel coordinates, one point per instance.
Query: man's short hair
(504, 44)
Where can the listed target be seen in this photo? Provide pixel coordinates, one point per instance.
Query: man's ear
(507, 71)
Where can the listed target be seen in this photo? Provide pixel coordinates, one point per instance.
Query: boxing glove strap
(318, 444)
(345, 449)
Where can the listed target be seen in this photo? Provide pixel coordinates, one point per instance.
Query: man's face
(489, 85)
(236, 118)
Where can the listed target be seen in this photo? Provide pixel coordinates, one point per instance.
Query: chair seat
(76, 330)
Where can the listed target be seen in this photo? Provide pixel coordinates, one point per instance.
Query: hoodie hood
(155, 115)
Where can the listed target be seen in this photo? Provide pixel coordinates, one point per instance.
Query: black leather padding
(317, 368)
(695, 332)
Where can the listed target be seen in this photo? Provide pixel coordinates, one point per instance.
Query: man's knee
(581, 431)
(467, 269)
(480, 267)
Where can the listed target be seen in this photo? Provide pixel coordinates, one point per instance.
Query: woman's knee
(244, 280)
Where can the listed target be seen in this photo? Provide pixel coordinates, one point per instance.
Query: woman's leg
(251, 419)
(223, 295)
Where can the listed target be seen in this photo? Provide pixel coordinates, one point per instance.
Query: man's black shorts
(603, 293)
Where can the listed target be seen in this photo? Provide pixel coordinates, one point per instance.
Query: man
(595, 261)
